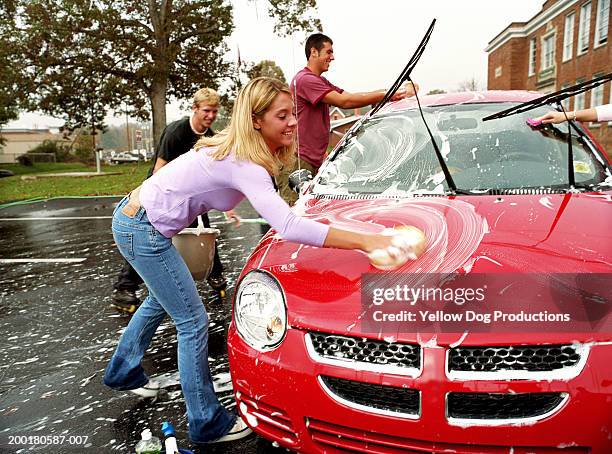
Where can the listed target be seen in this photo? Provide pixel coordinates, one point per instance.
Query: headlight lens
(260, 313)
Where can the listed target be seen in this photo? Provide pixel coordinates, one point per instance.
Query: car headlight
(260, 313)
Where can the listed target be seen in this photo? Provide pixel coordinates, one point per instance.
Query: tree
(122, 50)
(266, 68)
(101, 53)
(470, 84)
(11, 71)
(292, 15)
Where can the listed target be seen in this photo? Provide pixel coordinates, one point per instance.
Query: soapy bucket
(197, 247)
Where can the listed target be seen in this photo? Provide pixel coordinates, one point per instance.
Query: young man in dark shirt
(177, 138)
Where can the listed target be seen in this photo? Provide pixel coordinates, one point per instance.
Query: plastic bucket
(197, 247)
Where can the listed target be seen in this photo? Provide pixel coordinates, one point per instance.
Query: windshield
(393, 153)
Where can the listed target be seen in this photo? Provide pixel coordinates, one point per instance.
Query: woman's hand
(407, 243)
(233, 217)
(387, 250)
(553, 117)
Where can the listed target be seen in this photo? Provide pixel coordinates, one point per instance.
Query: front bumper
(282, 397)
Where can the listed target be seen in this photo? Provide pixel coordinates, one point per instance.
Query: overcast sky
(373, 41)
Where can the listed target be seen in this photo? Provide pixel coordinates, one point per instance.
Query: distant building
(341, 121)
(566, 43)
(336, 114)
(20, 141)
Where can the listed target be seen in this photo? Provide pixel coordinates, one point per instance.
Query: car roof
(490, 96)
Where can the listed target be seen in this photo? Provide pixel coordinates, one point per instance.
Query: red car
(320, 365)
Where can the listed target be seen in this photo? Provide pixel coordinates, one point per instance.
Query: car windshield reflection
(392, 154)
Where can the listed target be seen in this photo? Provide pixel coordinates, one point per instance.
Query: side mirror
(298, 178)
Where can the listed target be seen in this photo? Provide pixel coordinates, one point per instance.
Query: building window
(597, 97)
(579, 99)
(584, 28)
(532, 56)
(568, 37)
(498, 72)
(601, 22)
(610, 122)
(548, 52)
(566, 101)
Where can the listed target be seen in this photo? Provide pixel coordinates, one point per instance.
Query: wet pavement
(59, 332)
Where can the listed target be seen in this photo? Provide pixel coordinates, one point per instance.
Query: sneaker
(125, 301)
(218, 283)
(125, 296)
(151, 389)
(238, 431)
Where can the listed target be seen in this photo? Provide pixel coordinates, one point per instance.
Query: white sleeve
(604, 113)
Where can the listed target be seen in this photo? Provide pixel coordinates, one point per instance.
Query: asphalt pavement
(57, 265)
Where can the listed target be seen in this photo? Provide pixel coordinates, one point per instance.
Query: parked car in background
(124, 156)
(314, 374)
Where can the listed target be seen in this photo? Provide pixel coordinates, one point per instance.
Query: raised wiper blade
(405, 74)
(551, 98)
(557, 97)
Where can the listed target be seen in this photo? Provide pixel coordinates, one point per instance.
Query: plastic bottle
(169, 438)
(148, 444)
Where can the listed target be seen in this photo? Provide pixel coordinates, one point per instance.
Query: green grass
(22, 187)
(47, 167)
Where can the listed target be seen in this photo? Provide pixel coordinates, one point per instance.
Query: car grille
(501, 406)
(271, 421)
(380, 397)
(340, 439)
(366, 350)
(543, 358)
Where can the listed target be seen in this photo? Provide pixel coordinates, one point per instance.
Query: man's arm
(346, 100)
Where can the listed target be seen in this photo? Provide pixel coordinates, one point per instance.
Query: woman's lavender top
(195, 183)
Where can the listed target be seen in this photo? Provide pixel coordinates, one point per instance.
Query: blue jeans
(172, 291)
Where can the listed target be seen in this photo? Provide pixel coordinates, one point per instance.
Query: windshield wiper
(551, 98)
(556, 98)
(443, 166)
(405, 74)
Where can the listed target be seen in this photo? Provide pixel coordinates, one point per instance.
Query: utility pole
(93, 136)
(127, 128)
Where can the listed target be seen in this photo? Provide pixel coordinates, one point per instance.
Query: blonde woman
(219, 173)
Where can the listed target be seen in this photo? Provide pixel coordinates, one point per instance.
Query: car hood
(549, 233)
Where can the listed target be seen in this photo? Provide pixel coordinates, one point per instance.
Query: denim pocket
(120, 204)
(125, 243)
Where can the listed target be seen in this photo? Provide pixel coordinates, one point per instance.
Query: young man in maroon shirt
(313, 94)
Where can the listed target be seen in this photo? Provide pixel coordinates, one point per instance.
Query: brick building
(567, 42)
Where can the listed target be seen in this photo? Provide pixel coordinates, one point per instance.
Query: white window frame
(532, 57)
(597, 99)
(579, 99)
(602, 21)
(566, 101)
(610, 122)
(547, 59)
(568, 36)
(584, 29)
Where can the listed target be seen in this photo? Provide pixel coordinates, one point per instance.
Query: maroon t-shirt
(313, 114)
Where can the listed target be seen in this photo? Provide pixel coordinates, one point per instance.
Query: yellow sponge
(408, 243)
